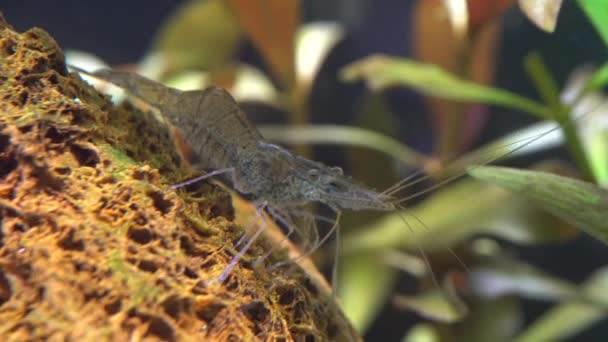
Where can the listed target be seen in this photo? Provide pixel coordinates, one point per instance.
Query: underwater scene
(304, 170)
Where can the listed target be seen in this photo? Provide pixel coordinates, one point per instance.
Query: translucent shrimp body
(220, 137)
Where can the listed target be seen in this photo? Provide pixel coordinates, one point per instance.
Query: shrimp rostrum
(221, 138)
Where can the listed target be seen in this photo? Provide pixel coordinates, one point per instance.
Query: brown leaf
(471, 57)
(483, 11)
(271, 25)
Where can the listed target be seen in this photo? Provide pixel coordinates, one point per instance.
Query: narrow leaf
(599, 79)
(441, 305)
(485, 208)
(433, 305)
(383, 71)
(580, 203)
(571, 317)
(597, 11)
(502, 275)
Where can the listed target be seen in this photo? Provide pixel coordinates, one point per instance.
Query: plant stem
(549, 91)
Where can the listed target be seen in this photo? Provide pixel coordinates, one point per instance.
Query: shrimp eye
(313, 175)
(336, 187)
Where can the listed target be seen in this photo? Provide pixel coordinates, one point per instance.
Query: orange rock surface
(93, 246)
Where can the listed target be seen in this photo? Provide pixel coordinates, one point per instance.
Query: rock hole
(310, 338)
(140, 236)
(298, 313)
(132, 250)
(188, 272)
(47, 179)
(257, 313)
(147, 266)
(140, 219)
(69, 242)
(312, 288)
(130, 153)
(8, 163)
(1, 230)
(160, 328)
(62, 170)
(5, 289)
(18, 227)
(208, 311)
(332, 330)
(140, 175)
(174, 306)
(78, 116)
(200, 288)
(53, 79)
(8, 48)
(85, 156)
(79, 266)
(287, 296)
(162, 283)
(160, 203)
(210, 262)
(54, 135)
(40, 65)
(113, 307)
(26, 128)
(5, 142)
(186, 245)
(23, 98)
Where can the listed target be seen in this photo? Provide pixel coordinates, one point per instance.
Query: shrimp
(220, 137)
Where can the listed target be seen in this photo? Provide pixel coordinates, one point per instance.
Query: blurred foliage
(456, 45)
(581, 203)
(542, 13)
(382, 72)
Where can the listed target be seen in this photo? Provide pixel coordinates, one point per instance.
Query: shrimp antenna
(526, 141)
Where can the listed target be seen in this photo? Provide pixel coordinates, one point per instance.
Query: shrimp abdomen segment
(214, 126)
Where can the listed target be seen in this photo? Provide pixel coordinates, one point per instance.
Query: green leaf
(500, 275)
(363, 296)
(548, 89)
(495, 320)
(599, 79)
(571, 317)
(200, 35)
(583, 204)
(432, 305)
(442, 305)
(597, 12)
(422, 332)
(383, 71)
(454, 213)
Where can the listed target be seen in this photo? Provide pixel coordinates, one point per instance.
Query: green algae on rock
(92, 246)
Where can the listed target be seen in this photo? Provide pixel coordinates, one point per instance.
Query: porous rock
(92, 244)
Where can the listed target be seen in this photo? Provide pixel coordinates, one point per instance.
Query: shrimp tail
(153, 93)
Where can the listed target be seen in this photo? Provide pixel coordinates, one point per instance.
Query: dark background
(121, 32)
